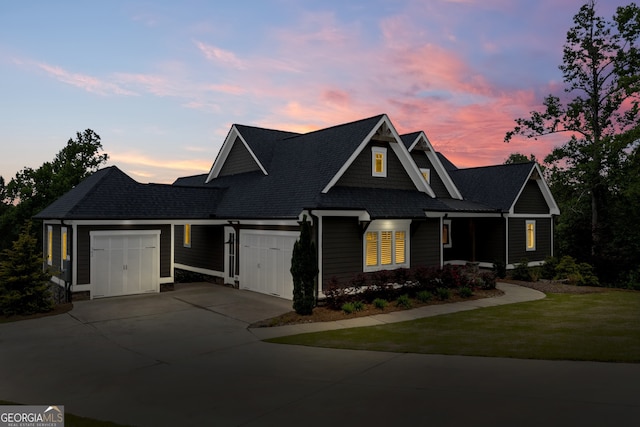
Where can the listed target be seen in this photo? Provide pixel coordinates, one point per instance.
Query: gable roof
(500, 186)
(418, 141)
(111, 194)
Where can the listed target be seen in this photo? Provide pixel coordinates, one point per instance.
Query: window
(446, 233)
(426, 174)
(64, 253)
(379, 161)
(531, 235)
(186, 239)
(49, 244)
(385, 248)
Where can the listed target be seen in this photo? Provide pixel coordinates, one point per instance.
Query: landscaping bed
(326, 314)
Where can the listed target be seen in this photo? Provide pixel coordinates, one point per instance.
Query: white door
(124, 264)
(265, 262)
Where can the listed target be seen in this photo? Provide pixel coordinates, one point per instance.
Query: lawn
(597, 327)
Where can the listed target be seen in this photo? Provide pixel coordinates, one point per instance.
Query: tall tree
(600, 68)
(31, 190)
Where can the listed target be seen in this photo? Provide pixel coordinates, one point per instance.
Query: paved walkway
(512, 294)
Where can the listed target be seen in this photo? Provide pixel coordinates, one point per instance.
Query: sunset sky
(162, 81)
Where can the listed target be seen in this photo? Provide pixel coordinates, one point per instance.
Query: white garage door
(123, 263)
(265, 261)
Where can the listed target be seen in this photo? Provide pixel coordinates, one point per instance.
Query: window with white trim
(531, 235)
(385, 246)
(426, 174)
(446, 233)
(186, 238)
(379, 161)
(64, 247)
(49, 244)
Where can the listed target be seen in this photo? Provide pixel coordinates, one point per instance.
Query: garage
(265, 261)
(124, 262)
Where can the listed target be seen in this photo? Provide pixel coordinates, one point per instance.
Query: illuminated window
(400, 247)
(372, 249)
(186, 240)
(531, 235)
(49, 244)
(385, 249)
(379, 161)
(446, 233)
(426, 174)
(63, 244)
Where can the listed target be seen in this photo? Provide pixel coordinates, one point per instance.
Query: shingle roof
(299, 167)
(494, 186)
(111, 194)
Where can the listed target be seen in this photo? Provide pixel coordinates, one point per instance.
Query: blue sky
(162, 81)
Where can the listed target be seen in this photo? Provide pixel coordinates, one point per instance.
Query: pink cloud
(221, 56)
(85, 82)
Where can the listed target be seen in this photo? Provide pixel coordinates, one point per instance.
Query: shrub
(500, 269)
(443, 293)
(424, 296)
(465, 292)
(348, 307)
(358, 305)
(380, 303)
(401, 276)
(304, 269)
(521, 271)
(548, 268)
(337, 295)
(577, 274)
(403, 301)
(487, 280)
(24, 287)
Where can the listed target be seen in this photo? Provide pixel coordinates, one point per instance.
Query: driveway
(186, 358)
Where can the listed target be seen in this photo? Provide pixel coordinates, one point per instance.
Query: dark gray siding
(425, 243)
(359, 173)
(341, 249)
(437, 184)
(239, 160)
(531, 200)
(84, 247)
(207, 247)
(517, 240)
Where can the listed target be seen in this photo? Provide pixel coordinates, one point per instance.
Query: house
(375, 199)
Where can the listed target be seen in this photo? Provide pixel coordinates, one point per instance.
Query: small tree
(24, 286)
(304, 269)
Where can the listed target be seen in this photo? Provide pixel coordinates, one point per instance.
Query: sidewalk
(512, 294)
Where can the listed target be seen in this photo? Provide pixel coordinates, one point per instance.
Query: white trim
(362, 215)
(398, 148)
(199, 270)
(124, 232)
(535, 235)
(392, 226)
(432, 155)
(448, 223)
(227, 145)
(544, 189)
(375, 150)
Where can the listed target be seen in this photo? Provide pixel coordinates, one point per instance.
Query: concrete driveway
(186, 358)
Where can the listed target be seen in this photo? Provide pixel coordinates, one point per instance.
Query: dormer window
(426, 174)
(379, 161)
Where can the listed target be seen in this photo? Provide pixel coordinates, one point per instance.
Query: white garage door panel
(265, 262)
(124, 264)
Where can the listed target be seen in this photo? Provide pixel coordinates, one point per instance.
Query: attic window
(379, 161)
(426, 174)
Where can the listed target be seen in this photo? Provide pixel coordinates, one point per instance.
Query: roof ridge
(379, 116)
(496, 166)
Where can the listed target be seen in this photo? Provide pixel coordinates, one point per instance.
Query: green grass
(597, 327)
(71, 420)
